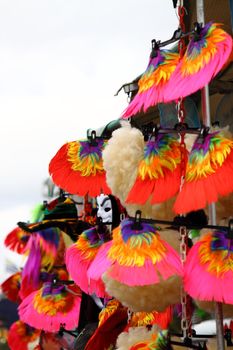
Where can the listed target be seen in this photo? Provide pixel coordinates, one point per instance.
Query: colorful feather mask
(210, 262)
(78, 168)
(55, 304)
(159, 172)
(208, 172)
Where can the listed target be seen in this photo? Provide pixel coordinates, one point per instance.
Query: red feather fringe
(11, 287)
(197, 194)
(106, 335)
(160, 189)
(16, 240)
(71, 181)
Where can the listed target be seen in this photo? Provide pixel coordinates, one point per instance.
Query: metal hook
(197, 27)
(92, 138)
(155, 48)
(137, 225)
(230, 229)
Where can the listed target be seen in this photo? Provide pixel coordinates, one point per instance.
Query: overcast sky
(61, 62)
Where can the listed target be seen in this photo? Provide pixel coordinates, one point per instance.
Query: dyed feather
(106, 334)
(20, 336)
(161, 319)
(210, 262)
(208, 173)
(205, 56)
(42, 251)
(152, 83)
(78, 168)
(52, 306)
(109, 309)
(143, 339)
(157, 342)
(11, 286)
(140, 257)
(100, 263)
(27, 287)
(53, 341)
(79, 257)
(17, 240)
(159, 172)
(37, 213)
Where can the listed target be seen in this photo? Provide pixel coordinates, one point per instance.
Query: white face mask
(104, 206)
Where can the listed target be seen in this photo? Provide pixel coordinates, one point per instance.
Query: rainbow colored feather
(79, 257)
(141, 257)
(27, 287)
(11, 286)
(42, 251)
(52, 306)
(100, 263)
(210, 262)
(112, 306)
(206, 54)
(157, 342)
(208, 173)
(17, 240)
(20, 336)
(159, 172)
(162, 319)
(78, 168)
(140, 338)
(153, 81)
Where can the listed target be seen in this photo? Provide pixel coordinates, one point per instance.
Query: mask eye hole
(107, 209)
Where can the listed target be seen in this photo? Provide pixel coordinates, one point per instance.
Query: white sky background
(61, 62)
